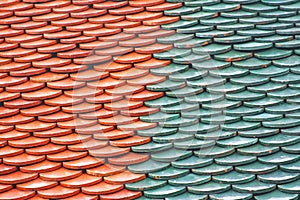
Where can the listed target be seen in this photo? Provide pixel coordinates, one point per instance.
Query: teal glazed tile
(256, 32)
(293, 187)
(252, 63)
(180, 122)
(213, 33)
(293, 6)
(165, 191)
(226, 88)
(295, 70)
(229, 72)
(263, 102)
(207, 81)
(169, 69)
(192, 162)
(214, 152)
(277, 195)
(280, 140)
(204, 97)
(189, 180)
(290, 31)
(255, 187)
(278, 2)
(199, 128)
(194, 144)
(278, 13)
(175, 52)
(287, 93)
(259, 7)
(188, 196)
(213, 169)
(188, 75)
(273, 53)
(172, 138)
(257, 20)
(171, 155)
(202, 2)
(235, 27)
(179, 24)
(293, 19)
(233, 39)
(245, 96)
(183, 92)
(258, 150)
(221, 105)
(181, 11)
(237, 142)
(289, 44)
(166, 86)
(232, 195)
(250, 80)
(220, 119)
(283, 108)
(221, 7)
(159, 117)
(156, 131)
(233, 177)
(267, 87)
(198, 15)
(295, 148)
(244, 111)
(209, 188)
(196, 42)
(169, 173)
(239, 14)
(241, 125)
(278, 177)
(210, 64)
(256, 168)
(215, 135)
(291, 131)
(175, 38)
(212, 49)
(274, 26)
(192, 58)
(282, 123)
(274, 38)
(292, 167)
(200, 113)
(194, 29)
(244, 2)
(235, 160)
(151, 147)
(148, 166)
(291, 61)
(217, 21)
(252, 46)
(163, 101)
(262, 117)
(279, 158)
(293, 115)
(233, 56)
(258, 133)
(270, 71)
(146, 184)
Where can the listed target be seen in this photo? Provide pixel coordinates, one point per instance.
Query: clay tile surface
(149, 99)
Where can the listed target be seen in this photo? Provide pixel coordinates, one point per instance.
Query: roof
(153, 99)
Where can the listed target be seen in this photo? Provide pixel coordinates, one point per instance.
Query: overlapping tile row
(72, 78)
(229, 120)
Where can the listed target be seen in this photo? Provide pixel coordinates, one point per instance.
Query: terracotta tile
(3, 75)
(8, 32)
(4, 187)
(55, 132)
(41, 94)
(4, 143)
(144, 16)
(8, 46)
(4, 61)
(48, 77)
(78, 40)
(93, 59)
(17, 194)
(52, 4)
(36, 197)
(139, 111)
(63, 100)
(11, 81)
(129, 159)
(14, 135)
(51, 62)
(18, 52)
(58, 192)
(6, 96)
(117, 120)
(123, 24)
(141, 3)
(82, 108)
(6, 169)
(69, 139)
(106, 19)
(10, 151)
(91, 144)
(103, 98)
(84, 27)
(46, 149)
(69, 68)
(101, 32)
(163, 7)
(94, 129)
(28, 25)
(76, 123)
(84, 163)
(45, 166)
(28, 72)
(89, 75)
(106, 170)
(13, 66)
(16, 119)
(137, 42)
(60, 174)
(141, 29)
(70, 9)
(38, 43)
(61, 35)
(79, 2)
(17, 177)
(6, 112)
(102, 188)
(68, 22)
(146, 80)
(98, 45)
(44, 29)
(32, 12)
(75, 53)
(14, 20)
(118, 37)
(132, 58)
(126, 10)
(157, 34)
(56, 117)
(37, 184)
(35, 126)
(109, 151)
(113, 134)
(145, 96)
(23, 159)
(21, 103)
(4, 14)
(50, 17)
(131, 141)
(39, 110)
(3, 27)
(28, 86)
(106, 83)
(137, 126)
(123, 105)
(110, 4)
(23, 38)
(17, 5)
(154, 48)
(56, 48)
(83, 92)
(33, 58)
(88, 13)
(129, 73)
(65, 84)
(66, 155)
(28, 142)
(123, 194)
(82, 181)
(82, 196)
(125, 90)
(114, 51)
(124, 178)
